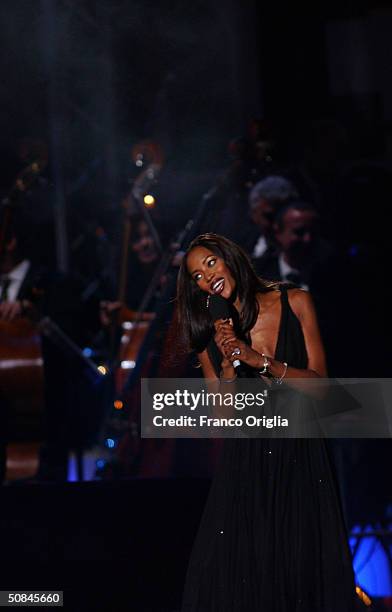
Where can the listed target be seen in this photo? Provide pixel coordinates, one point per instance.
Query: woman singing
(272, 537)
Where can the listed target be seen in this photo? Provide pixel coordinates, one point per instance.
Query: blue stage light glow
(371, 564)
(110, 443)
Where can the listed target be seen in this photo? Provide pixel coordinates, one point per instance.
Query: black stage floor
(114, 547)
(109, 546)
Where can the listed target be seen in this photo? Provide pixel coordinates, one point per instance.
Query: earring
(208, 301)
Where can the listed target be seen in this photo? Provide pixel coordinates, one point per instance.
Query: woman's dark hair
(194, 318)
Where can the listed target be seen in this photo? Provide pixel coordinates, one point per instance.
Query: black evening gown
(272, 537)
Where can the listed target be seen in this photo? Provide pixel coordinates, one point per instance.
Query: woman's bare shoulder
(268, 298)
(301, 302)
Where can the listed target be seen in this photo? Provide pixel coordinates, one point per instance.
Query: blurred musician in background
(142, 258)
(16, 281)
(266, 198)
(28, 294)
(16, 274)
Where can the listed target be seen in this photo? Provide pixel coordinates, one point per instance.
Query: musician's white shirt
(16, 276)
(260, 247)
(285, 270)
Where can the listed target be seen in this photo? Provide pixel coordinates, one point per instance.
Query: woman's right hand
(224, 333)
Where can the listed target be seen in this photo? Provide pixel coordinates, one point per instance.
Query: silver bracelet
(266, 364)
(279, 380)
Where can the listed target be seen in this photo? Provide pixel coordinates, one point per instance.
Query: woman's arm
(223, 332)
(216, 385)
(206, 366)
(302, 305)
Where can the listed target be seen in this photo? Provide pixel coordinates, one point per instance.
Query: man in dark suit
(299, 251)
(303, 257)
(266, 198)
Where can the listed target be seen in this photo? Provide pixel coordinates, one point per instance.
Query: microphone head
(219, 308)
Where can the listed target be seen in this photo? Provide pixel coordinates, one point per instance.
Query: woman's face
(210, 272)
(143, 245)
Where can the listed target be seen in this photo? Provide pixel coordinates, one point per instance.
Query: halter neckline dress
(272, 536)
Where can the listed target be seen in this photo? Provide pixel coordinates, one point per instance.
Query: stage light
(363, 596)
(128, 364)
(371, 561)
(100, 463)
(149, 200)
(110, 443)
(102, 369)
(127, 325)
(87, 352)
(118, 404)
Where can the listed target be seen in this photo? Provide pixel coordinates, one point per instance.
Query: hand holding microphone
(232, 348)
(225, 336)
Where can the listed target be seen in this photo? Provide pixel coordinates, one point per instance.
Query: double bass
(21, 363)
(133, 456)
(134, 324)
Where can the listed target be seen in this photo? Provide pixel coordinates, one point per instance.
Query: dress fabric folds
(272, 536)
